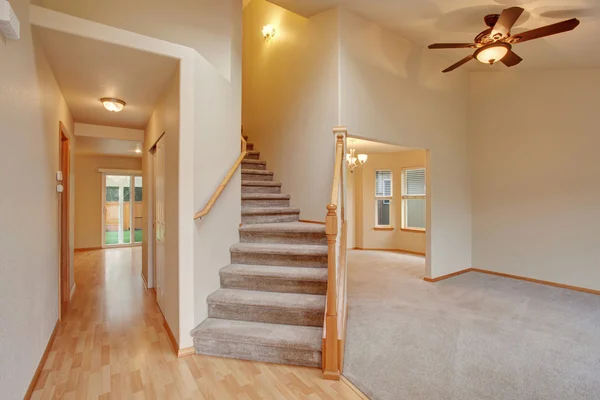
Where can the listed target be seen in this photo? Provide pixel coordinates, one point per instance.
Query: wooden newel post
(331, 367)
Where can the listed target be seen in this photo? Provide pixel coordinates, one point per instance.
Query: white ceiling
(428, 21)
(369, 147)
(107, 147)
(87, 70)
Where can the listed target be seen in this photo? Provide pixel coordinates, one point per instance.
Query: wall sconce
(268, 32)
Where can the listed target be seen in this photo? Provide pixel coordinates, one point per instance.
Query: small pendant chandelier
(354, 161)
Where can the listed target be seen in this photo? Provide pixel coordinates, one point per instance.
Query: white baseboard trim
(72, 291)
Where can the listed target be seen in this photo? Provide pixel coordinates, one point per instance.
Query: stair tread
(269, 210)
(300, 227)
(268, 271)
(265, 196)
(260, 333)
(275, 248)
(260, 183)
(271, 300)
(254, 152)
(249, 161)
(256, 172)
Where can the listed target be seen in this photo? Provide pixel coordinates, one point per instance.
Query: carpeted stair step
(252, 155)
(249, 146)
(268, 307)
(258, 200)
(256, 175)
(269, 215)
(255, 341)
(284, 233)
(274, 279)
(261, 187)
(285, 255)
(254, 164)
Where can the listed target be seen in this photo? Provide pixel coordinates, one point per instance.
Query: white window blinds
(383, 183)
(415, 182)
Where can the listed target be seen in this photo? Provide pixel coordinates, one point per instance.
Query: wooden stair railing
(336, 309)
(209, 205)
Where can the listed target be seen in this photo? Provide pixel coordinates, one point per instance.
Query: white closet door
(159, 223)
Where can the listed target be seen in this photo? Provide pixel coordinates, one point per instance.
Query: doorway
(122, 210)
(64, 195)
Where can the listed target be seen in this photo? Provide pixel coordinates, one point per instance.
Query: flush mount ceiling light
(268, 32)
(492, 53)
(354, 161)
(112, 104)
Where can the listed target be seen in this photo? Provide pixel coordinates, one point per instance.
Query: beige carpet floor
(472, 337)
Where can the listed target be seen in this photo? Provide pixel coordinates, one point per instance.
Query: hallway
(113, 344)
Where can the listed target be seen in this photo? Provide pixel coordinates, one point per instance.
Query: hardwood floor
(112, 344)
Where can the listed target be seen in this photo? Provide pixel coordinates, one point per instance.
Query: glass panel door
(117, 210)
(138, 207)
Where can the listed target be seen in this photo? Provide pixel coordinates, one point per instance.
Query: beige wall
(536, 174)
(396, 239)
(290, 100)
(393, 91)
(164, 120)
(31, 106)
(88, 195)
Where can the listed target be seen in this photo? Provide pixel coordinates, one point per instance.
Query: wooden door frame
(64, 225)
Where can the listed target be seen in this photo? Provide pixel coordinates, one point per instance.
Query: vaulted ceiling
(427, 21)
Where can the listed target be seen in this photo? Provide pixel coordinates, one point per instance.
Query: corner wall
(31, 106)
(88, 196)
(164, 120)
(536, 174)
(395, 239)
(290, 100)
(393, 91)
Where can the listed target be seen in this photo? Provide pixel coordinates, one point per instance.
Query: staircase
(272, 299)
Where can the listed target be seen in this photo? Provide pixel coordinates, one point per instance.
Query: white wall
(204, 25)
(109, 132)
(88, 196)
(394, 91)
(396, 239)
(290, 100)
(536, 174)
(31, 106)
(164, 120)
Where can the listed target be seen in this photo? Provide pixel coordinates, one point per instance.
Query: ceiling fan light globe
(492, 53)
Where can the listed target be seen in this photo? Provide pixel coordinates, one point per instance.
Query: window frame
(404, 197)
(390, 226)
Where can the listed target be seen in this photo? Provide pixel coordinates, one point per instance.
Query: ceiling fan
(495, 43)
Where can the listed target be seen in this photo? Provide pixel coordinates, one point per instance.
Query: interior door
(159, 222)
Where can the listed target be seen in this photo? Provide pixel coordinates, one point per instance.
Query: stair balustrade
(334, 328)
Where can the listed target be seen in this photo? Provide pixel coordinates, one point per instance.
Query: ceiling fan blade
(511, 59)
(547, 30)
(452, 46)
(506, 21)
(460, 63)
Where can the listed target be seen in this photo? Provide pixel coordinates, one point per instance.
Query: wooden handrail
(334, 327)
(209, 205)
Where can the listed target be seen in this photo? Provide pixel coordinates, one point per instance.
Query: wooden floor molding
(414, 253)
(354, 388)
(87, 249)
(521, 278)
(40, 367)
(307, 221)
(443, 277)
(548, 283)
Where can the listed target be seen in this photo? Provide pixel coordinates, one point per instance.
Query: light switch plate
(60, 188)
(59, 176)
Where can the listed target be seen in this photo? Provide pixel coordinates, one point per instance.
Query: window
(413, 199)
(383, 198)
